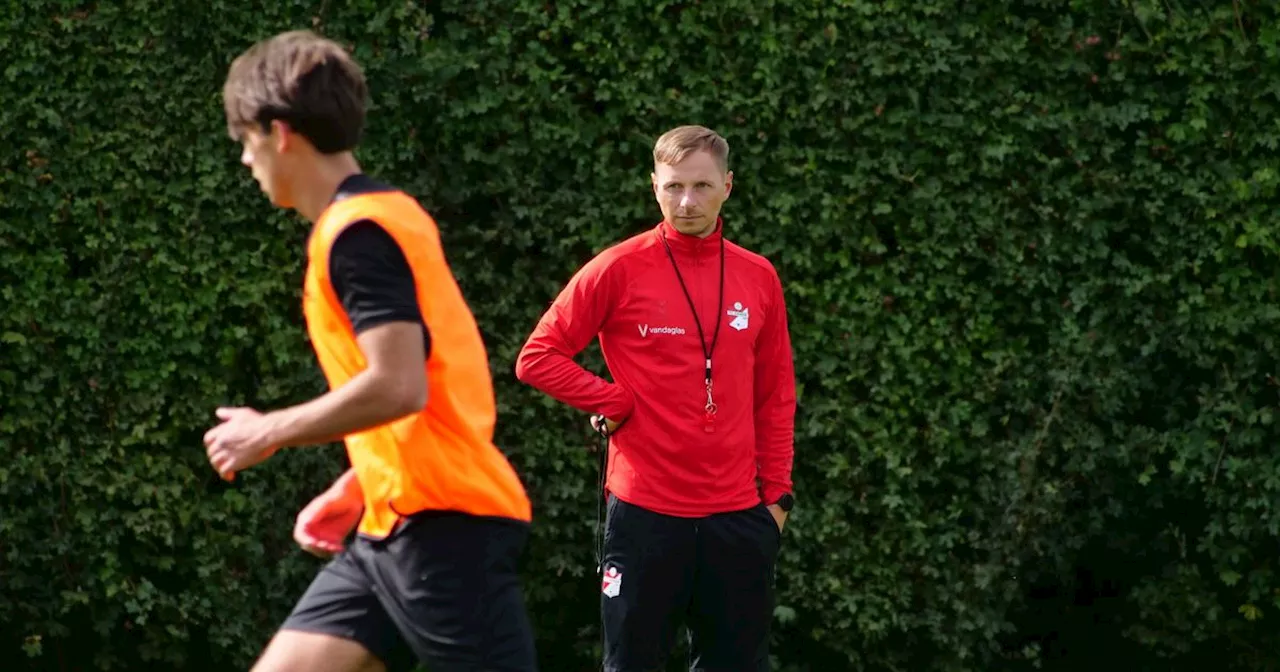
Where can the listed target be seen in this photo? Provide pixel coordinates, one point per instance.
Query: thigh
(645, 587)
(732, 610)
(337, 625)
(294, 650)
(451, 584)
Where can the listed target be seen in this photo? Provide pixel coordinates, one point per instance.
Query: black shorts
(443, 590)
(713, 574)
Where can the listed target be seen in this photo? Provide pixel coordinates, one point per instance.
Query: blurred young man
(700, 416)
(440, 514)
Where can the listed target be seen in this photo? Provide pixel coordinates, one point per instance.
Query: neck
(700, 234)
(705, 232)
(315, 191)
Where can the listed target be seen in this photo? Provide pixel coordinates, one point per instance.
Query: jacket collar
(685, 243)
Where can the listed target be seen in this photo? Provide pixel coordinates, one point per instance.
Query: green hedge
(1029, 249)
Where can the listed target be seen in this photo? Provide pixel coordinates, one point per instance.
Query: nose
(686, 200)
(246, 157)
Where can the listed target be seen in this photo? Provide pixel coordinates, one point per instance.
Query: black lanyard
(702, 339)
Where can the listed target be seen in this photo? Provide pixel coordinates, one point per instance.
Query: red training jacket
(661, 458)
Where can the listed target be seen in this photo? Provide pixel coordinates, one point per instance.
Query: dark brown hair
(305, 80)
(678, 143)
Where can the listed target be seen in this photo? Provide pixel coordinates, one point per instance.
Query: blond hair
(678, 143)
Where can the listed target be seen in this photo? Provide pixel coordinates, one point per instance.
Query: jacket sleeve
(775, 400)
(574, 318)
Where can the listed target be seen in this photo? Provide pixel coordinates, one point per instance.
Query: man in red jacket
(700, 418)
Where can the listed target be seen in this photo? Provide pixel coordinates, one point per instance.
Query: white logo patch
(741, 316)
(612, 584)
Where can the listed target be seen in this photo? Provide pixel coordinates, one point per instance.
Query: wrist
(347, 486)
(275, 431)
(780, 498)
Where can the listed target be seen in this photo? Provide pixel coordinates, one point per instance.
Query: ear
(728, 183)
(281, 135)
(653, 182)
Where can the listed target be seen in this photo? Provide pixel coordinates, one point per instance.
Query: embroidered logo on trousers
(612, 584)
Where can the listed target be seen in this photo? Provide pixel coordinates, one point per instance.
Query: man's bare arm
(393, 385)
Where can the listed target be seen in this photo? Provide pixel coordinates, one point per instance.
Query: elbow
(406, 398)
(525, 367)
(414, 400)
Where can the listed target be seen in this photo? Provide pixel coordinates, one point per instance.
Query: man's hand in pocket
(610, 426)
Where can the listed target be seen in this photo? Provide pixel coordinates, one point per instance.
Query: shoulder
(362, 232)
(363, 239)
(620, 258)
(365, 254)
(377, 207)
(758, 263)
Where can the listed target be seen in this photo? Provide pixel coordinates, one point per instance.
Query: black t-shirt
(369, 272)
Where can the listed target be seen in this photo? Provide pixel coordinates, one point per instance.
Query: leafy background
(1028, 247)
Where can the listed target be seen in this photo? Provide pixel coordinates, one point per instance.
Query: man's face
(266, 157)
(691, 192)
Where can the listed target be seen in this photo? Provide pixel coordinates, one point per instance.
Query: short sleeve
(372, 278)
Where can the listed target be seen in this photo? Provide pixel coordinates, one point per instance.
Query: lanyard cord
(602, 466)
(702, 339)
